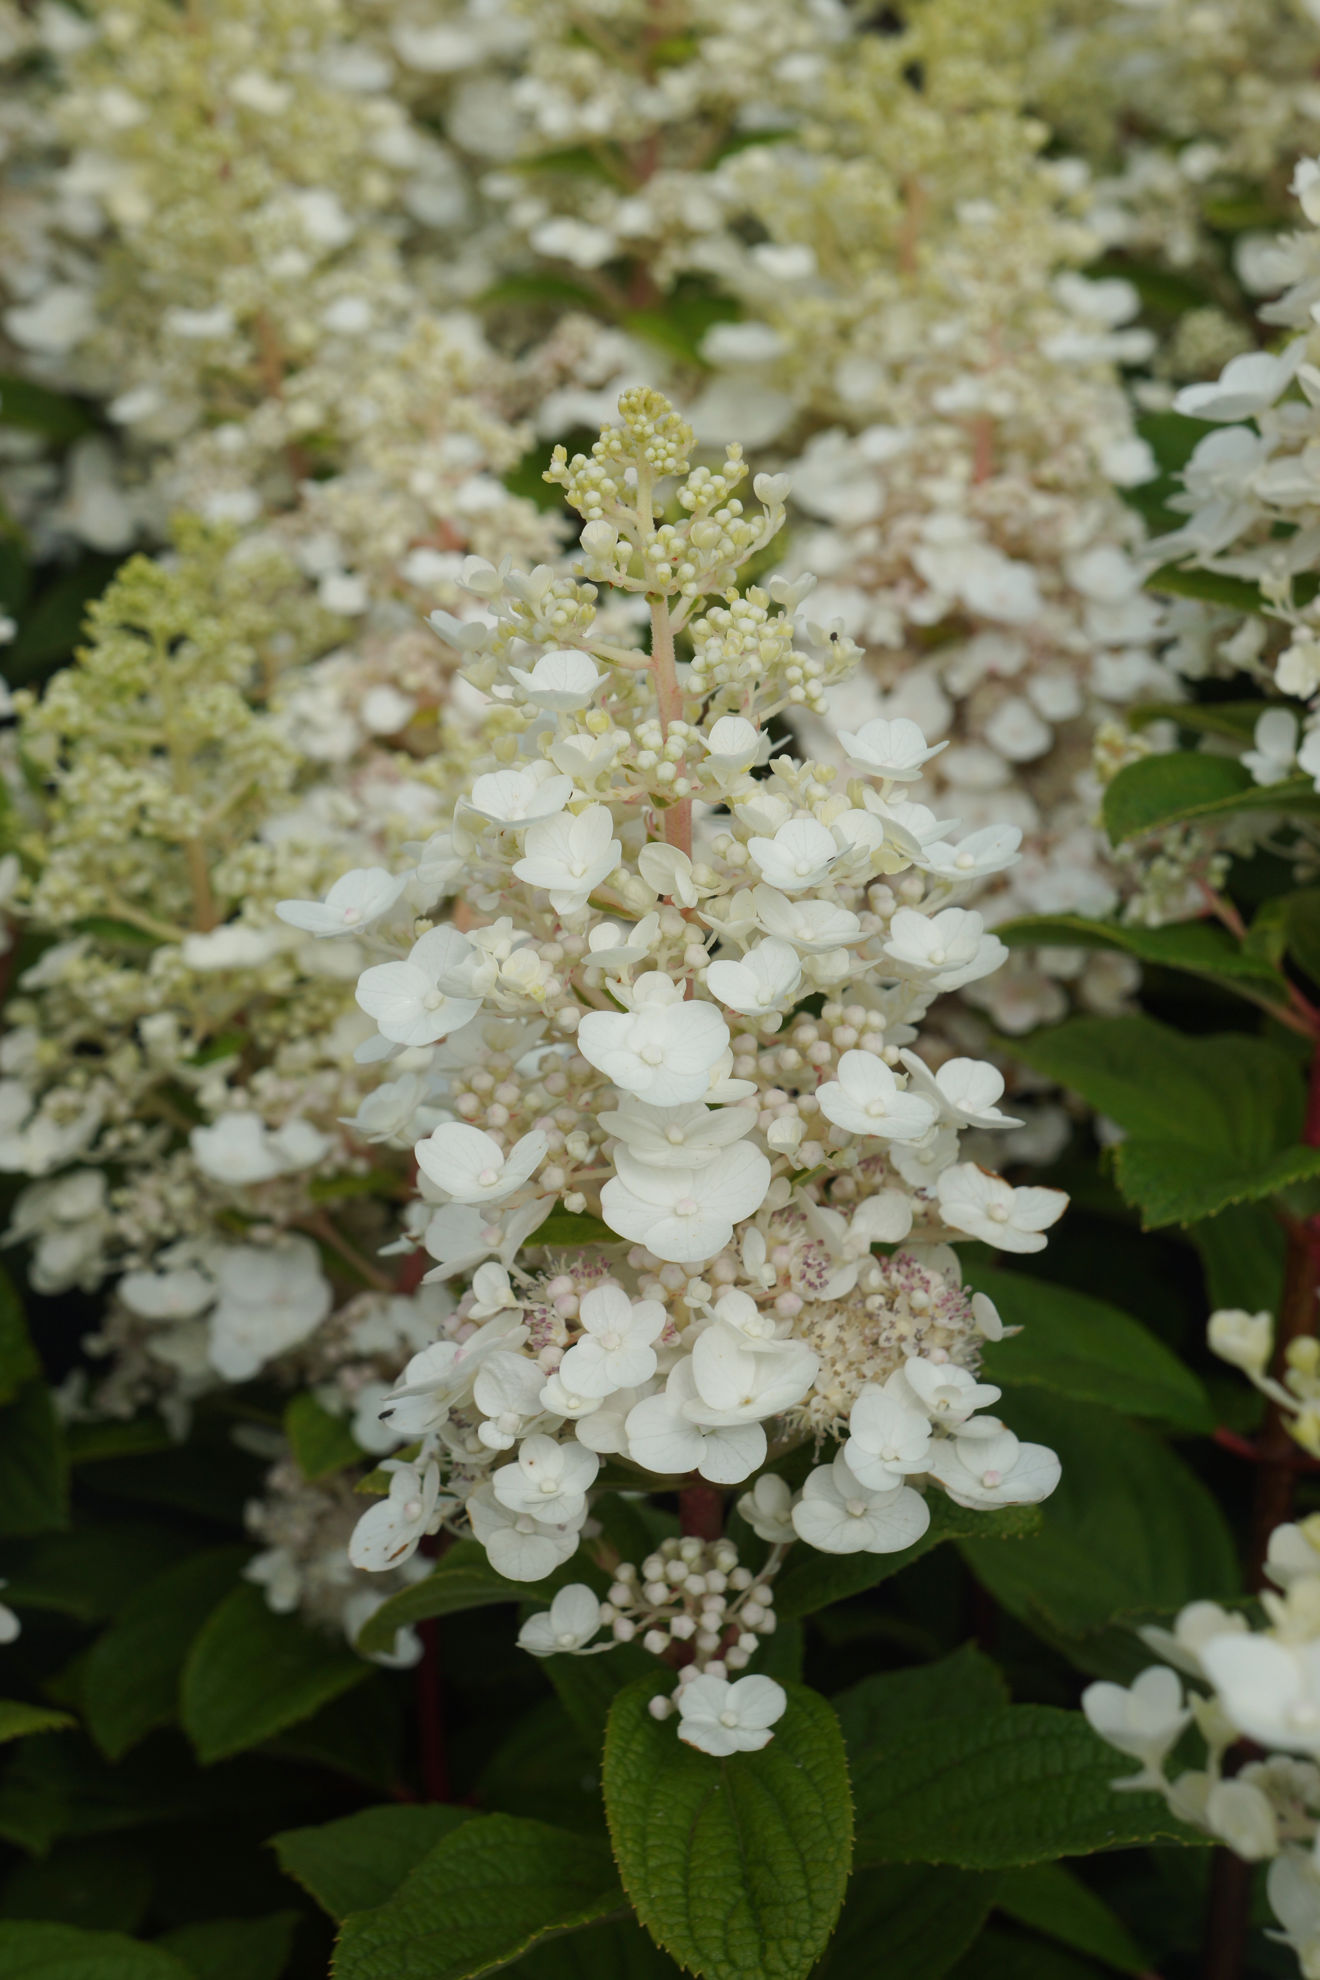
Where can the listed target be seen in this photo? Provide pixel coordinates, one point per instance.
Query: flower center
(488, 1178)
(687, 1206)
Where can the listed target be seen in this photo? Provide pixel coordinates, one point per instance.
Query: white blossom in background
(1260, 1684)
(1250, 496)
(616, 1038)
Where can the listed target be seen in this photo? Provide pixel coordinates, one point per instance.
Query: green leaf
(1242, 1253)
(36, 409)
(103, 1884)
(1301, 922)
(32, 1951)
(227, 1948)
(925, 1916)
(1187, 786)
(118, 934)
(882, 1708)
(141, 1436)
(571, 1228)
(359, 1734)
(536, 289)
(251, 1673)
(18, 1719)
(1209, 1121)
(1024, 1784)
(1202, 948)
(1007, 1954)
(614, 1949)
(93, 1570)
(544, 1770)
(321, 1443)
(1172, 1184)
(1129, 1532)
(482, 1895)
(464, 1579)
(131, 1674)
(53, 625)
(34, 1470)
(1213, 587)
(736, 1867)
(18, 1357)
(811, 1580)
(63, 1787)
(355, 1864)
(1052, 1900)
(1235, 719)
(588, 1686)
(1083, 1347)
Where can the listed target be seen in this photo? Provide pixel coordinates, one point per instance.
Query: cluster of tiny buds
(692, 1594)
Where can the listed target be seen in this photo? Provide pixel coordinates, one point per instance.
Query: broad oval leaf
(356, 1863)
(251, 1673)
(483, 1895)
(1050, 1899)
(130, 1678)
(37, 1951)
(321, 1443)
(736, 1867)
(1025, 1784)
(1083, 1347)
(235, 1948)
(1210, 1120)
(924, 1915)
(1129, 1533)
(34, 1464)
(1185, 785)
(1201, 948)
(18, 1719)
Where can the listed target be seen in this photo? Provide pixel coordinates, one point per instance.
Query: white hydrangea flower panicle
(1249, 1682)
(701, 1225)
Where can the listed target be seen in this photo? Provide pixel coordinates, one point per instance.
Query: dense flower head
(1250, 503)
(611, 1045)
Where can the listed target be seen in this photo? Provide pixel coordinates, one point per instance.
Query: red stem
(701, 1510)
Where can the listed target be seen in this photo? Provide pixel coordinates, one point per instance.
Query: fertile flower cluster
(913, 336)
(209, 231)
(1251, 498)
(1263, 1685)
(633, 1009)
(236, 217)
(176, 1070)
(1192, 111)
